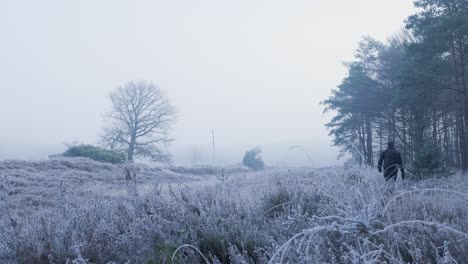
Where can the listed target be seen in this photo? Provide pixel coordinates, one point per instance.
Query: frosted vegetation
(81, 211)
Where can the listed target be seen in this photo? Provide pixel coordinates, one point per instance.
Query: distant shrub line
(94, 153)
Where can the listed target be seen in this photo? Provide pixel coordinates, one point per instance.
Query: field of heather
(81, 211)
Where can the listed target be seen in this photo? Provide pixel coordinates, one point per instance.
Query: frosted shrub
(94, 153)
(253, 160)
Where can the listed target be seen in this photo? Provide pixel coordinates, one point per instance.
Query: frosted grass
(187, 215)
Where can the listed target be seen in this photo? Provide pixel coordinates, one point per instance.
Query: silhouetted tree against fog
(412, 90)
(358, 102)
(441, 28)
(140, 121)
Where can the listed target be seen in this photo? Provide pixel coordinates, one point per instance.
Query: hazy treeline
(411, 90)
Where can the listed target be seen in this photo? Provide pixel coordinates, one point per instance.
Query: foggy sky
(255, 71)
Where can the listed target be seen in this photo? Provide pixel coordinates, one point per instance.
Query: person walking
(390, 160)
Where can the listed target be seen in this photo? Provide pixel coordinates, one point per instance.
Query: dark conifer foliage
(412, 90)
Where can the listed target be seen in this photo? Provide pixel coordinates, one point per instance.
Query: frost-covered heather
(276, 216)
(34, 185)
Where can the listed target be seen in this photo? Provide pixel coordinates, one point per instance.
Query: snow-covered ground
(81, 211)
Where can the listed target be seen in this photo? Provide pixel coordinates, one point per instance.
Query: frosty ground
(81, 211)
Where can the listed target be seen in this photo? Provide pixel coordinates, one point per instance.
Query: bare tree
(140, 121)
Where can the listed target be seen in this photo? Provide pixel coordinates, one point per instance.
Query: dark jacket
(391, 161)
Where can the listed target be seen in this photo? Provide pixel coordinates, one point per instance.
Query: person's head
(391, 145)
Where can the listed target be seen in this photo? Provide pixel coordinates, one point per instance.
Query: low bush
(253, 160)
(94, 153)
(429, 163)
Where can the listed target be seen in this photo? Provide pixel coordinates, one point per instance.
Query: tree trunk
(464, 89)
(370, 160)
(363, 140)
(380, 135)
(459, 65)
(464, 146)
(418, 132)
(392, 132)
(446, 145)
(131, 148)
(434, 126)
(457, 143)
(405, 142)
